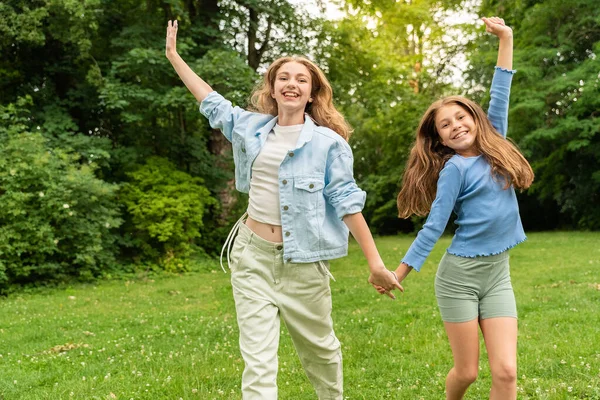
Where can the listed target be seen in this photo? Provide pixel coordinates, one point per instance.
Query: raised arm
(496, 26)
(192, 81)
(500, 90)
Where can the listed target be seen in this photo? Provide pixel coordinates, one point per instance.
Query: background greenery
(177, 338)
(107, 168)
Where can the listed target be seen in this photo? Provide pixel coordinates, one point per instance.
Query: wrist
(505, 35)
(376, 265)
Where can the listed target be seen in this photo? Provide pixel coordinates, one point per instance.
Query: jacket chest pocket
(308, 192)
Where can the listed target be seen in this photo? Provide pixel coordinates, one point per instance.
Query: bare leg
(500, 335)
(464, 341)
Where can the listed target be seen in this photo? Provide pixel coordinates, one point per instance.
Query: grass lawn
(176, 337)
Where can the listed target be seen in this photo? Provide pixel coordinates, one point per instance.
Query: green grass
(176, 337)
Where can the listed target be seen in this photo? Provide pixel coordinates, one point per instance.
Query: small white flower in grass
(107, 225)
(194, 390)
(70, 213)
(570, 389)
(41, 194)
(66, 205)
(15, 381)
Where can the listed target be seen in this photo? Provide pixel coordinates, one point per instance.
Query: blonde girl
(462, 162)
(291, 155)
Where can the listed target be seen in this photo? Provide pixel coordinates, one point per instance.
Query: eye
(461, 117)
(302, 80)
(444, 125)
(282, 78)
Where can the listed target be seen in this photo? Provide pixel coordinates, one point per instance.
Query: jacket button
(311, 186)
(284, 182)
(287, 234)
(291, 154)
(243, 149)
(285, 208)
(279, 247)
(289, 260)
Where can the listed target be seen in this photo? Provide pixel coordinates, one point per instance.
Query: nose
(456, 124)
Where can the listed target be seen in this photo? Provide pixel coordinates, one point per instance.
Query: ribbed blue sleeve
(448, 188)
(499, 99)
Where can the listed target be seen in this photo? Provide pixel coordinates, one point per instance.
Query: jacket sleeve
(221, 113)
(341, 190)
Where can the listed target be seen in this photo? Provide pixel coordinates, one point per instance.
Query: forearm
(505, 52)
(402, 271)
(360, 230)
(191, 80)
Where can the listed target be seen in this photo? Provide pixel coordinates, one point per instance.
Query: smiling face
(457, 129)
(292, 87)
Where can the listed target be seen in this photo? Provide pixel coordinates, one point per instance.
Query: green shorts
(470, 288)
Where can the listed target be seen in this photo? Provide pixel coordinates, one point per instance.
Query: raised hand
(171, 48)
(497, 27)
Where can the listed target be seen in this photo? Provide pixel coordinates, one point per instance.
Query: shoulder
(453, 169)
(217, 100)
(327, 137)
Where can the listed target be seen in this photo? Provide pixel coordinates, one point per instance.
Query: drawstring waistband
(322, 264)
(230, 239)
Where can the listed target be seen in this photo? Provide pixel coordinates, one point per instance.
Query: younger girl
(293, 158)
(462, 162)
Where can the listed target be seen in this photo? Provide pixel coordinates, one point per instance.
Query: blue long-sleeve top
(487, 214)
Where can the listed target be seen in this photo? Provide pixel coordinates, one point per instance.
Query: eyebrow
(456, 113)
(287, 73)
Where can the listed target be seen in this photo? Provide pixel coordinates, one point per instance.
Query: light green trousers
(266, 290)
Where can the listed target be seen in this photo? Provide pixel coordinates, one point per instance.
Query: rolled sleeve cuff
(210, 103)
(352, 204)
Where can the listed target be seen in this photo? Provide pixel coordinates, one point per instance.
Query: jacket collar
(305, 135)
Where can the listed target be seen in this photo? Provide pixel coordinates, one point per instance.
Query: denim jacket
(316, 182)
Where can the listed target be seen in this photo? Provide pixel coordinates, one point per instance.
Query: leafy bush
(56, 217)
(165, 209)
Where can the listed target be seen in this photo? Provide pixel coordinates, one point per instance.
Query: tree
(554, 106)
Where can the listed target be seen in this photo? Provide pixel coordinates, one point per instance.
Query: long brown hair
(321, 110)
(428, 156)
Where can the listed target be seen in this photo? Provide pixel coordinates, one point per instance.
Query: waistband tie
(230, 239)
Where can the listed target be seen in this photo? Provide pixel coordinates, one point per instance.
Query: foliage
(383, 61)
(554, 104)
(166, 207)
(57, 219)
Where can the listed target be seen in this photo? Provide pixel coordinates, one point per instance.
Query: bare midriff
(269, 232)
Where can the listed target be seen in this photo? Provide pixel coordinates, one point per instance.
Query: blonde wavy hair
(321, 110)
(428, 156)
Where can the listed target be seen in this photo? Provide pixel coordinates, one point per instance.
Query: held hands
(171, 48)
(385, 281)
(401, 272)
(496, 26)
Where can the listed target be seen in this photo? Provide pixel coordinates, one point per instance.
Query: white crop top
(263, 205)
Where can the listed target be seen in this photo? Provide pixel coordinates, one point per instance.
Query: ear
(310, 100)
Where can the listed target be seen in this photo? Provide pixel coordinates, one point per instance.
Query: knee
(466, 375)
(505, 374)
